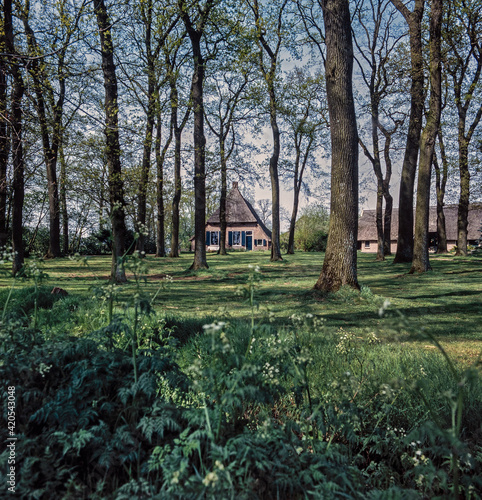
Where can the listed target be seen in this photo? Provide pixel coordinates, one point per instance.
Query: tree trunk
(144, 180)
(297, 177)
(50, 144)
(405, 213)
(200, 261)
(387, 223)
(270, 77)
(176, 200)
(294, 214)
(274, 177)
(63, 201)
(440, 183)
(160, 156)
(146, 155)
(17, 145)
(224, 189)
(175, 129)
(379, 223)
(197, 87)
(4, 141)
(116, 185)
(463, 212)
(340, 264)
(387, 220)
(420, 262)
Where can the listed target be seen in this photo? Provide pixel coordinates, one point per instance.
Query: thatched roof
(238, 211)
(367, 227)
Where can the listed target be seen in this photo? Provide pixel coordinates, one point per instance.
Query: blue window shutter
(230, 238)
(208, 237)
(264, 243)
(243, 238)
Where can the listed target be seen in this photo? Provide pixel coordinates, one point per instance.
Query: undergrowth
(116, 400)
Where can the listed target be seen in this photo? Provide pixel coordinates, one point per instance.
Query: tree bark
(63, 201)
(274, 177)
(300, 166)
(420, 262)
(294, 214)
(440, 183)
(224, 189)
(18, 185)
(387, 223)
(387, 219)
(463, 211)
(4, 133)
(200, 261)
(340, 263)
(405, 218)
(160, 157)
(176, 200)
(116, 185)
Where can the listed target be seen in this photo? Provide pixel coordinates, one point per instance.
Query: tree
(151, 54)
(195, 24)
(312, 229)
(177, 125)
(269, 54)
(160, 158)
(441, 176)
(49, 101)
(417, 96)
(376, 43)
(463, 35)
(303, 111)
(156, 27)
(111, 131)
(340, 263)
(420, 262)
(4, 131)
(16, 138)
(229, 106)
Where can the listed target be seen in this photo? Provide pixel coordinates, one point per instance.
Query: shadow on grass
(455, 293)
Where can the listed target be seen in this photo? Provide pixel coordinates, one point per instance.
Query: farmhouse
(244, 230)
(367, 228)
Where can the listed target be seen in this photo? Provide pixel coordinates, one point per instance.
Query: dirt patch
(156, 277)
(89, 276)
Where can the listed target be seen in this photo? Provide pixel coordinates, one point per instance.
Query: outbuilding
(367, 228)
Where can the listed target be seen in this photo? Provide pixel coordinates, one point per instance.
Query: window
(367, 244)
(236, 237)
(214, 238)
(258, 243)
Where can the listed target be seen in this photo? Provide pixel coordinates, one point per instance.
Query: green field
(446, 302)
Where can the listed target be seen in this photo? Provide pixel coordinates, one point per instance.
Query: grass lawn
(446, 302)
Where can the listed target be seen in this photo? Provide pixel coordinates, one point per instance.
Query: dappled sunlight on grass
(446, 302)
